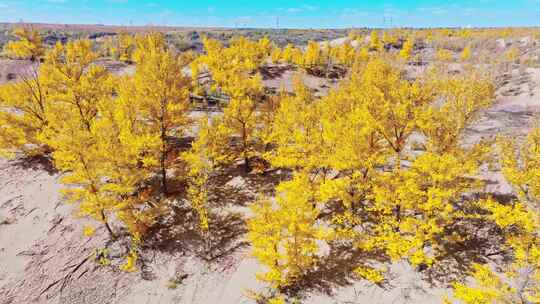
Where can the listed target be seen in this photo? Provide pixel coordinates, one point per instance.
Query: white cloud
(310, 8)
(300, 9)
(294, 10)
(434, 10)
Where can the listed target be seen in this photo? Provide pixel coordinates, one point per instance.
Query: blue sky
(264, 13)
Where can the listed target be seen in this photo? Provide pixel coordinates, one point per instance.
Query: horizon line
(209, 27)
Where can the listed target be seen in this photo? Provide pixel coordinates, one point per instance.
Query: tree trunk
(164, 176)
(109, 229)
(245, 146)
(246, 164)
(163, 154)
(163, 166)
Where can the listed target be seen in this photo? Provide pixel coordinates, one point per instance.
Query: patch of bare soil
(43, 256)
(518, 104)
(11, 69)
(278, 77)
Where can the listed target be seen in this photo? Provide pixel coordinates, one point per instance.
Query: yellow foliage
(283, 234)
(489, 289)
(466, 54)
(241, 56)
(375, 42)
(29, 45)
(77, 86)
(276, 300)
(444, 55)
(389, 38)
(159, 96)
(521, 166)
(363, 55)
(519, 280)
(107, 147)
(413, 205)
(463, 97)
(276, 55)
(512, 54)
(393, 103)
(77, 82)
(293, 123)
(231, 69)
(124, 48)
(24, 111)
(345, 54)
(356, 177)
(408, 48)
(291, 54)
(313, 56)
(89, 231)
(131, 261)
(341, 141)
(370, 274)
(208, 152)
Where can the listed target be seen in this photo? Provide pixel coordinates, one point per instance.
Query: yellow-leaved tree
(124, 48)
(295, 133)
(291, 54)
(160, 94)
(125, 164)
(313, 57)
(462, 96)
(24, 107)
(444, 55)
(29, 44)
(517, 280)
(76, 86)
(375, 43)
(208, 153)
(407, 49)
(344, 54)
(284, 233)
(233, 70)
(466, 54)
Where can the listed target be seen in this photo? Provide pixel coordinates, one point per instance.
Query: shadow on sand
(232, 190)
(36, 162)
(480, 242)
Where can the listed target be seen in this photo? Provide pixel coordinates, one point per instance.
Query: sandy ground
(10, 69)
(44, 258)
